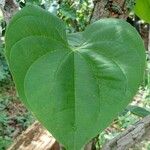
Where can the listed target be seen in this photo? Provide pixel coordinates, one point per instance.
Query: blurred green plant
(130, 4)
(4, 143)
(13, 119)
(76, 14)
(5, 76)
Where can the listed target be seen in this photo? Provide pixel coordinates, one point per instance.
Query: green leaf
(139, 111)
(75, 84)
(142, 9)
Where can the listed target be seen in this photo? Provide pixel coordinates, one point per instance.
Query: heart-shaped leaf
(75, 84)
(142, 9)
